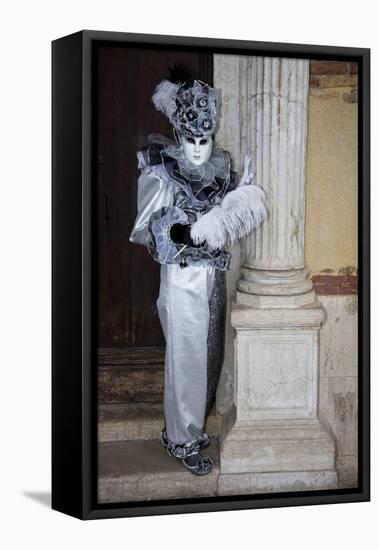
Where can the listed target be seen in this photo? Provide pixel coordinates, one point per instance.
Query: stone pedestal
(272, 438)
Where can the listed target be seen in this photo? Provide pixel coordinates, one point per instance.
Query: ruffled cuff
(164, 249)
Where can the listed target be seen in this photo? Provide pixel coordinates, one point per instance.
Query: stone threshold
(141, 470)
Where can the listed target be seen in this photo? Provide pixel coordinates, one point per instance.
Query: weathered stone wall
(332, 164)
(331, 233)
(339, 381)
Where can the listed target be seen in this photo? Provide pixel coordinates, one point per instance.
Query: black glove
(180, 234)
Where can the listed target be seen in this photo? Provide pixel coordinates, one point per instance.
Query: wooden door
(129, 335)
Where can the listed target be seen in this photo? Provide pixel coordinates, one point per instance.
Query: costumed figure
(191, 208)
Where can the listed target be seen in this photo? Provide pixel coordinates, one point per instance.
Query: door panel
(127, 276)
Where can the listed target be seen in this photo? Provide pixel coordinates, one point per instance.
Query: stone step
(130, 383)
(137, 421)
(130, 375)
(143, 470)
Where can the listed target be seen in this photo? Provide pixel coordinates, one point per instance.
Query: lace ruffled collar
(217, 166)
(203, 184)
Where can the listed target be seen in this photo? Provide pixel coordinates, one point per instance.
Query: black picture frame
(74, 432)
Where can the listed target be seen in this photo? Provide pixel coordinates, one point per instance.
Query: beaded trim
(202, 467)
(182, 450)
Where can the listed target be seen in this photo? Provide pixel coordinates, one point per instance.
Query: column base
(276, 302)
(274, 456)
(275, 282)
(275, 446)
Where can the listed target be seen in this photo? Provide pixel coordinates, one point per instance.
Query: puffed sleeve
(153, 195)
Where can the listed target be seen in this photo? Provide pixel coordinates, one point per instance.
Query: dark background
(129, 335)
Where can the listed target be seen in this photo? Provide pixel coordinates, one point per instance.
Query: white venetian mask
(196, 149)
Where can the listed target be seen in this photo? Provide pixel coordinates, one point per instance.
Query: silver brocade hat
(190, 109)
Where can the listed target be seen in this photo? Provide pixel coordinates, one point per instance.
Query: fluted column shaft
(274, 252)
(280, 106)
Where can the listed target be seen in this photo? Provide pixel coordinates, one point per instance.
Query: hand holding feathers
(238, 214)
(246, 175)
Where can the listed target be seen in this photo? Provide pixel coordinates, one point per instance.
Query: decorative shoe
(188, 453)
(197, 464)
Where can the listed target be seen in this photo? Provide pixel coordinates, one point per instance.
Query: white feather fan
(239, 212)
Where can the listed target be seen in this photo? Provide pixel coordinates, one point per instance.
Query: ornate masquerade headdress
(190, 109)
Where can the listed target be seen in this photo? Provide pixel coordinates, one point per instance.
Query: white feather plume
(239, 212)
(164, 98)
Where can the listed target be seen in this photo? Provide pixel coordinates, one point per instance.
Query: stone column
(272, 438)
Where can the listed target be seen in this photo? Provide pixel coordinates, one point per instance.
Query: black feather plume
(179, 74)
